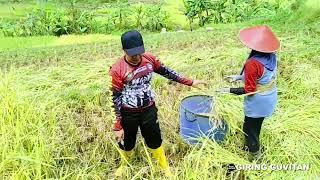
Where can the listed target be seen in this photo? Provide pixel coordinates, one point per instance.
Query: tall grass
(310, 10)
(56, 110)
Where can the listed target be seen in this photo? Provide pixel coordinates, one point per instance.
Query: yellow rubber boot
(125, 157)
(159, 155)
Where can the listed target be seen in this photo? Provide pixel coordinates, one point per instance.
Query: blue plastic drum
(195, 122)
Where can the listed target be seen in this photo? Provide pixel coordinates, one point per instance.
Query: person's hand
(233, 78)
(119, 135)
(223, 90)
(196, 83)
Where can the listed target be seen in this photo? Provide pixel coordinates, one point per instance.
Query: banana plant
(198, 9)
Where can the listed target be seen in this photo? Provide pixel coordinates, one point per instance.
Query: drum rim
(201, 115)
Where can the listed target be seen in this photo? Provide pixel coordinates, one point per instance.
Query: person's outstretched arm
(253, 71)
(170, 74)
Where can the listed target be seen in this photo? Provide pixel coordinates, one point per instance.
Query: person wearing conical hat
(134, 100)
(259, 76)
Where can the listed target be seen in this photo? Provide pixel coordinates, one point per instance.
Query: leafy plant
(139, 15)
(198, 9)
(155, 18)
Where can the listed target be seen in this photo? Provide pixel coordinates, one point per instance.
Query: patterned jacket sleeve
(116, 88)
(169, 73)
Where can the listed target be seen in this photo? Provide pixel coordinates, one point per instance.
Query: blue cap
(132, 43)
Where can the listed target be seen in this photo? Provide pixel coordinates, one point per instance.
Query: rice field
(56, 116)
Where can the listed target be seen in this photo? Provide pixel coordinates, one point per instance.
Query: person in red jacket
(134, 102)
(260, 88)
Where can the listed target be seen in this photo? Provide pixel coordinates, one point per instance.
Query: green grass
(15, 10)
(309, 12)
(175, 10)
(56, 116)
(14, 43)
(9, 43)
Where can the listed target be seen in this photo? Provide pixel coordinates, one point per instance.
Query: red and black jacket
(131, 85)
